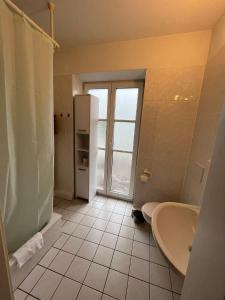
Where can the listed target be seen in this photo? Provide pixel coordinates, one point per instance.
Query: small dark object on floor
(137, 216)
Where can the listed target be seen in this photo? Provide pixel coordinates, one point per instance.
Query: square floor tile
(124, 245)
(61, 241)
(98, 204)
(81, 231)
(128, 212)
(106, 297)
(160, 276)
(116, 285)
(121, 262)
(46, 286)
(63, 203)
(78, 269)
(68, 289)
(139, 268)
(68, 227)
(103, 256)
(49, 256)
(108, 207)
(105, 215)
(20, 295)
(157, 257)
(61, 262)
(176, 296)
(152, 240)
(87, 293)
(128, 221)
(113, 228)
(100, 224)
(116, 218)
(87, 250)
(76, 217)
(137, 289)
(94, 212)
(96, 277)
(142, 236)
(72, 245)
(177, 281)
(32, 279)
(109, 240)
(157, 293)
(94, 236)
(141, 250)
(127, 232)
(88, 221)
(119, 210)
(84, 209)
(66, 214)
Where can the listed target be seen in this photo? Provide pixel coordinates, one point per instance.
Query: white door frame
(112, 86)
(102, 85)
(5, 277)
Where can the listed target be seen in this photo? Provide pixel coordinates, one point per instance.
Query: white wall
(175, 66)
(206, 271)
(205, 278)
(65, 86)
(210, 107)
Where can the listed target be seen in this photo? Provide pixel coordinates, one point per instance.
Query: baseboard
(63, 194)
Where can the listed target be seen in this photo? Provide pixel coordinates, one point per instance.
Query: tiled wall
(211, 103)
(166, 131)
(175, 65)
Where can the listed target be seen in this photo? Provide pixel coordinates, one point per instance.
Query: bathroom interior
(112, 170)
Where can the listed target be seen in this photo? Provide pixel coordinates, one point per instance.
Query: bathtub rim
(157, 235)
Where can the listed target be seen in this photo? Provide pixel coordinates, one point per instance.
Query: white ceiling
(79, 22)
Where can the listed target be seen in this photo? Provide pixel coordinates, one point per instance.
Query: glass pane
(123, 136)
(121, 172)
(100, 169)
(102, 95)
(101, 134)
(126, 104)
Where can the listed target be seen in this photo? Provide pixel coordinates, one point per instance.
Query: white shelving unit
(86, 120)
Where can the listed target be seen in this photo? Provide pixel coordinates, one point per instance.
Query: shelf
(82, 167)
(82, 149)
(83, 133)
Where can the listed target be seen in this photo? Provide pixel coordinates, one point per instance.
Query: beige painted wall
(175, 66)
(65, 86)
(177, 50)
(211, 103)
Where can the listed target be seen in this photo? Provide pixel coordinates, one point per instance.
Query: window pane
(121, 172)
(101, 134)
(123, 136)
(126, 104)
(102, 95)
(100, 169)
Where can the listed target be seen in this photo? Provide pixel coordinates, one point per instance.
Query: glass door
(118, 130)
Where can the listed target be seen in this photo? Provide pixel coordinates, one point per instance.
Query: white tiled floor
(101, 255)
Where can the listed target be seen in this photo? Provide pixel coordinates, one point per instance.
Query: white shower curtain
(26, 127)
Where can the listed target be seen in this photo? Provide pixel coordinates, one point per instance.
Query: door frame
(112, 86)
(102, 85)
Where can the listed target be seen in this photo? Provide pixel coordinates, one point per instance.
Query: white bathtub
(50, 234)
(173, 226)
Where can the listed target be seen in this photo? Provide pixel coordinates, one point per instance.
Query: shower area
(26, 136)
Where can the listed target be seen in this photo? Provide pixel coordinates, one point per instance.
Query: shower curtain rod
(32, 23)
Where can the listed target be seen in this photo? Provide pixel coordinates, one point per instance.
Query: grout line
(114, 250)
